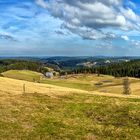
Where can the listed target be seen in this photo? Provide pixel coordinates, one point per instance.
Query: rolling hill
(23, 75)
(88, 82)
(46, 111)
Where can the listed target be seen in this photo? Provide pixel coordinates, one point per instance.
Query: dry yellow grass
(118, 89)
(42, 113)
(15, 87)
(88, 82)
(11, 87)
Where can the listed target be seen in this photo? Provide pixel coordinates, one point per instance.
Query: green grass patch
(23, 75)
(77, 116)
(70, 84)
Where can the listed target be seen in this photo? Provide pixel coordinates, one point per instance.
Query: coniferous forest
(122, 69)
(131, 69)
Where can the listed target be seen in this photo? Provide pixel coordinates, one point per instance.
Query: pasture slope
(23, 75)
(104, 84)
(52, 112)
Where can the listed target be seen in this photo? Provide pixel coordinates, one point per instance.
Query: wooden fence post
(24, 88)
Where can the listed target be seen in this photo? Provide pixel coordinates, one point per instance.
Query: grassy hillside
(89, 82)
(23, 75)
(103, 83)
(51, 112)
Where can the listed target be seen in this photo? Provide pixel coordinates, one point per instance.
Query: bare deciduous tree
(126, 86)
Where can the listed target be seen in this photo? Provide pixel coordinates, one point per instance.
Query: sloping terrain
(16, 87)
(92, 82)
(88, 82)
(51, 112)
(23, 75)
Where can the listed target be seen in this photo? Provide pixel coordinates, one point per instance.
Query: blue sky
(69, 28)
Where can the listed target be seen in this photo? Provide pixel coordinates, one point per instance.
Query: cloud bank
(94, 19)
(7, 36)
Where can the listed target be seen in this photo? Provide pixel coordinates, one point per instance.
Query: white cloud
(131, 17)
(7, 36)
(126, 38)
(88, 18)
(135, 43)
(42, 3)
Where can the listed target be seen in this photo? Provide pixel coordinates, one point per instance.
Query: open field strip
(15, 87)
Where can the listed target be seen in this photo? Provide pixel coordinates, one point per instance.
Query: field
(103, 83)
(23, 75)
(50, 112)
(71, 108)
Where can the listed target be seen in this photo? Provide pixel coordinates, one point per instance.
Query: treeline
(131, 69)
(19, 65)
(14, 64)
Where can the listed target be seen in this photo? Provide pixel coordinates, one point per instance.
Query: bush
(1, 75)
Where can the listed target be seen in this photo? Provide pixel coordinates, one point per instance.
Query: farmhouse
(49, 74)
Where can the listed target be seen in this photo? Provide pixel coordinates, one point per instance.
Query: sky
(69, 28)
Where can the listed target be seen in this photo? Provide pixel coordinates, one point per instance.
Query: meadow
(23, 75)
(51, 112)
(88, 82)
(54, 112)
